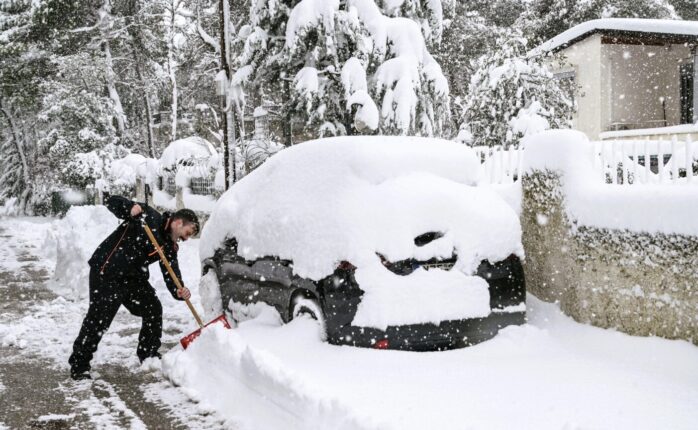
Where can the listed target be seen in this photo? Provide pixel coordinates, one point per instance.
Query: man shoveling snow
(119, 276)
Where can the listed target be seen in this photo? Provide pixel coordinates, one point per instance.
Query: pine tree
(79, 120)
(345, 67)
(510, 91)
(20, 76)
(428, 14)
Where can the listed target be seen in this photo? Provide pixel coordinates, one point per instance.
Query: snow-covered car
(386, 241)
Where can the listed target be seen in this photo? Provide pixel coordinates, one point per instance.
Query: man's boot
(80, 376)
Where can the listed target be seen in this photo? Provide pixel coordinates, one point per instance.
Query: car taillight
(381, 344)
(345, 265)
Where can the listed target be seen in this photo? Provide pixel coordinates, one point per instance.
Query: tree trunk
(172, 66)
(111, 87)
(288, 126)
(146, 100)
(223, 19)
(17, 138)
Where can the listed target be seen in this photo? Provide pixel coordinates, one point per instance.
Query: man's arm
(121, 207)
(169, 282)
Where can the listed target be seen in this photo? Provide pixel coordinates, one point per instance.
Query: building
(634, 78)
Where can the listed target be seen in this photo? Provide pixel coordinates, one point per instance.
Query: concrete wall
(637, 77)
(639, 283)
(623, 83)
(584, 58)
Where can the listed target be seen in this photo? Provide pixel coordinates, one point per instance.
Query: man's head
(184, 224)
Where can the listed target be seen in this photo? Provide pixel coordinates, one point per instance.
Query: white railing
(499, 165)
(627, 162)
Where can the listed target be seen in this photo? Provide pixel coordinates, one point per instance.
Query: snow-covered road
(551, 373)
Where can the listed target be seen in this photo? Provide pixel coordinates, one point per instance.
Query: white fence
(627, 162)
(499, 165)
(619, 162)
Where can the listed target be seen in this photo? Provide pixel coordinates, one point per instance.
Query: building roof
(678, 30)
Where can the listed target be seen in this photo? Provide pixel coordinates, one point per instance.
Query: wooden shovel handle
(171, 272)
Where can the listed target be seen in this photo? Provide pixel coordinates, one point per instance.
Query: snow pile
(72, 240)
(123, 172)
(187, 149)
(441, 296)
(650, 208)
(210, 295)
(226, 374)
(282, 376)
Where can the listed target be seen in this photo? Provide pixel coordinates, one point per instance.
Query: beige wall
(637, 77)
(623, 83)
(585, 58)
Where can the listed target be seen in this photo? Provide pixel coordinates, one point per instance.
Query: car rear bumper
(429, 337)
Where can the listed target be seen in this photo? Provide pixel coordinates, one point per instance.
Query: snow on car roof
(346, 198)
(656, 26)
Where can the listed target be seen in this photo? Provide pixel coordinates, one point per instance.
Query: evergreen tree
(22, 67)
(427, 13)
(510, 93)
(345, 67)
(79, 120)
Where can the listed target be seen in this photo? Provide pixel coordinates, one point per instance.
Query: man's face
(182, 231)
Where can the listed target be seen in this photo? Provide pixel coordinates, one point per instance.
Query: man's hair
(188, 216)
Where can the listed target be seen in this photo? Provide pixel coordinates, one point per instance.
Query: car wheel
(305, 307)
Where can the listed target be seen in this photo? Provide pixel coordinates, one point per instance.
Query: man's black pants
(106, 296)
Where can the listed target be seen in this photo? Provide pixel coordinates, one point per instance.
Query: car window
(272, 270)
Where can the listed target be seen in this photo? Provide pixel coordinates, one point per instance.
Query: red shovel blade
(186, 340)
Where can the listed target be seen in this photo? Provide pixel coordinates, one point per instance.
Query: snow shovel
(186, 340)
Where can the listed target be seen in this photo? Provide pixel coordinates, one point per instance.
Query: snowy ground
(552, 373)
(39, 330)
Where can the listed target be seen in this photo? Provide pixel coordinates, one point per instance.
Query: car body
(248, 272)
(271, 280)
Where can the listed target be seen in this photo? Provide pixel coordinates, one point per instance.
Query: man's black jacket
(128, 252)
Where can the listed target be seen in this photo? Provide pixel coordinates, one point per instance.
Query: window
(686, 94)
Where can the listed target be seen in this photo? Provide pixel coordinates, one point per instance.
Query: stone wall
(639, 283)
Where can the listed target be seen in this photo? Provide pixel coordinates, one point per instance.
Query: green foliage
(507, 81)
(79, 122)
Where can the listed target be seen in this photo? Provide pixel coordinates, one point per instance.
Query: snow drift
(72, 240)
